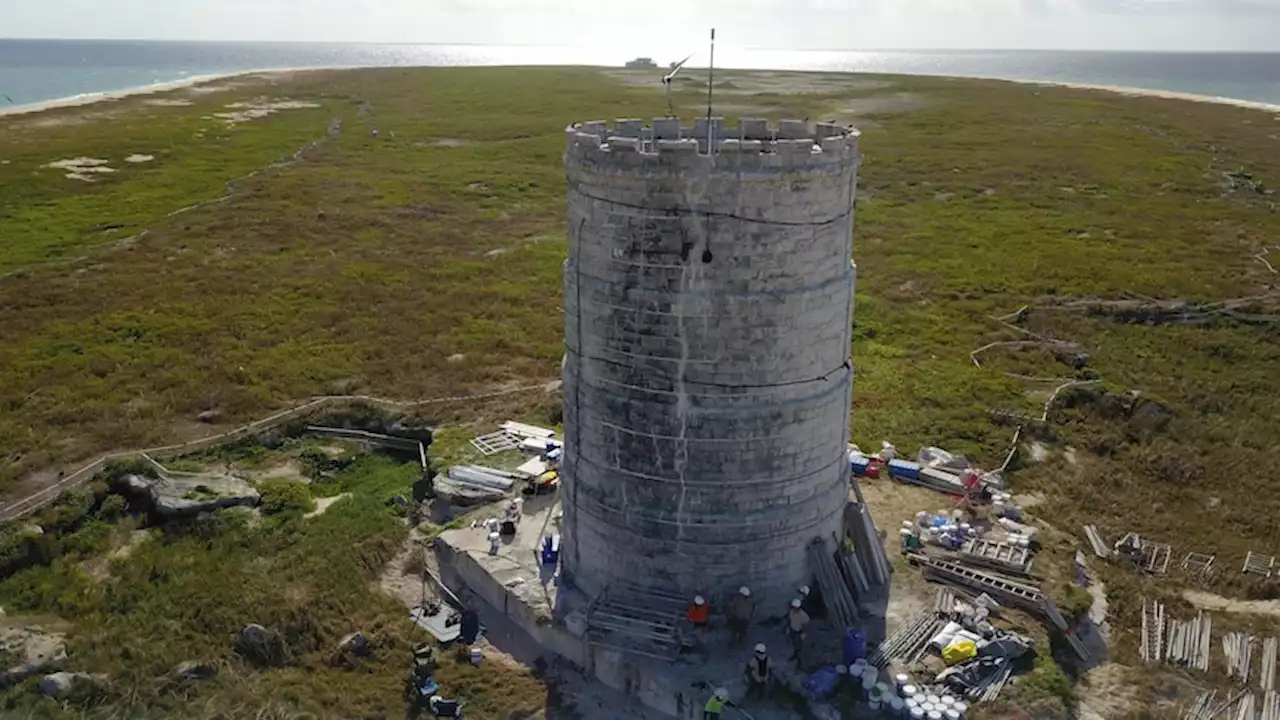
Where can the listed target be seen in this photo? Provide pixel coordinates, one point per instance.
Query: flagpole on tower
(711, 80)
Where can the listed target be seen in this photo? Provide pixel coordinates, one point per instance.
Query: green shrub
(281, 496)
(61, 588)
(1074, 601)
(113, 507)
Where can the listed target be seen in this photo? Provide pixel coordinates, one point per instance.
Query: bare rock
(193, 670)
(36, 650)
(354, 643)
(253, 636)
(189, 495)
(259, 644)
(60, 683)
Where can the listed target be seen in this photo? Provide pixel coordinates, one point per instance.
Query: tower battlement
(791, 145)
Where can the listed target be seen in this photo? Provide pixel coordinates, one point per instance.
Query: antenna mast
(711, 81)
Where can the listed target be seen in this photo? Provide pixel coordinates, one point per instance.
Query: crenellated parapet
(791, 145)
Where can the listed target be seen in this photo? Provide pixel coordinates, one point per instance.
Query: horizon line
(756, 48)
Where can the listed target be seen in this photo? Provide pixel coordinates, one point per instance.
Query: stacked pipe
(908, 642)
(835, 592)
(1270, 706)
(944, 603)
(1207, 707)
(1187, 642)
(1203, 704)
(1237, 647)
(867, 545)
(1267, 675)
(853, 571)
(990, 689)
(1152, 631)
(1095, 539)
(1245, 709)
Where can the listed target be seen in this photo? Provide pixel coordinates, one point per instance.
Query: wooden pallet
(1198, 564)
(1155, 555)
(996, 555)
(1257, 564)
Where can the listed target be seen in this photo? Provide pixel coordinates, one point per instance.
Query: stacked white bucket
(902, 699)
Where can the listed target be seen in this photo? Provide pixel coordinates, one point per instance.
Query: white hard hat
(796, 603)
(804, 589)
(699, 600)
(744, 591)
(722, 693)
(760, 648)
(436, 698)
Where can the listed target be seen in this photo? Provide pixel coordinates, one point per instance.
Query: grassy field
(400, 232)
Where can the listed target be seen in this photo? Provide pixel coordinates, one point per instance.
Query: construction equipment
(1004, 557)
(1002, 590)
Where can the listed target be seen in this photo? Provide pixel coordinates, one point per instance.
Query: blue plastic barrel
(855, 645)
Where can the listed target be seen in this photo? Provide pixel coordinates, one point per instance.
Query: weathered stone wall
(708, 311)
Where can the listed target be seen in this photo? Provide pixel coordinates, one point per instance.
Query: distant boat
(642, 62)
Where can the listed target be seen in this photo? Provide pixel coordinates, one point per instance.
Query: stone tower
(708, 298)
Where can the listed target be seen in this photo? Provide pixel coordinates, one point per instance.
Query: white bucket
(874, 702)
(951, 714)
(934, 715)
(916, 713)
(869, 677)
(932, 699)
(908, 691)
(477, 655)
(961, 707)
(946, 701)
(900, 681)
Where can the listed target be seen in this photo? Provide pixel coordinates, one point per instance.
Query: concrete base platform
(515, 585)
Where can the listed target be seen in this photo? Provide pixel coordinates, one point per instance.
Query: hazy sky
(798, 24)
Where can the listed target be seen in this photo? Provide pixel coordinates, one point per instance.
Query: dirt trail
(1209, 601)
(323, 504)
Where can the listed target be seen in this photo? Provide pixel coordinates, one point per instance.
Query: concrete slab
(553, 617)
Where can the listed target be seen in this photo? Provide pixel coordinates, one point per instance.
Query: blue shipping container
(904, 469)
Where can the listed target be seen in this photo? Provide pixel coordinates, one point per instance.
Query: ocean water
(33, 71)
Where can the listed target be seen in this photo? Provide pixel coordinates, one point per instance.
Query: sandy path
(1209, 601)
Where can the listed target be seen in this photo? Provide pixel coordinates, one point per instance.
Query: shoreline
(87, 99)
(1165, 94)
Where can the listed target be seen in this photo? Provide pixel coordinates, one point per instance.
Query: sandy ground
(1108, 692)
(1209, 601)
(323, 504)
(192, 83)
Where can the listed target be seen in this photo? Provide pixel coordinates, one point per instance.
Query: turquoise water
(38, 70)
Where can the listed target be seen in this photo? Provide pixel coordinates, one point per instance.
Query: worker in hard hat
(699, 616)
(797, 621)
(811, 601)
(738, 613)
(714, 709)
(758, 672)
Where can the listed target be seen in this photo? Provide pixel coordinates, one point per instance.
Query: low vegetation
(404, 237)
(182, 595)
